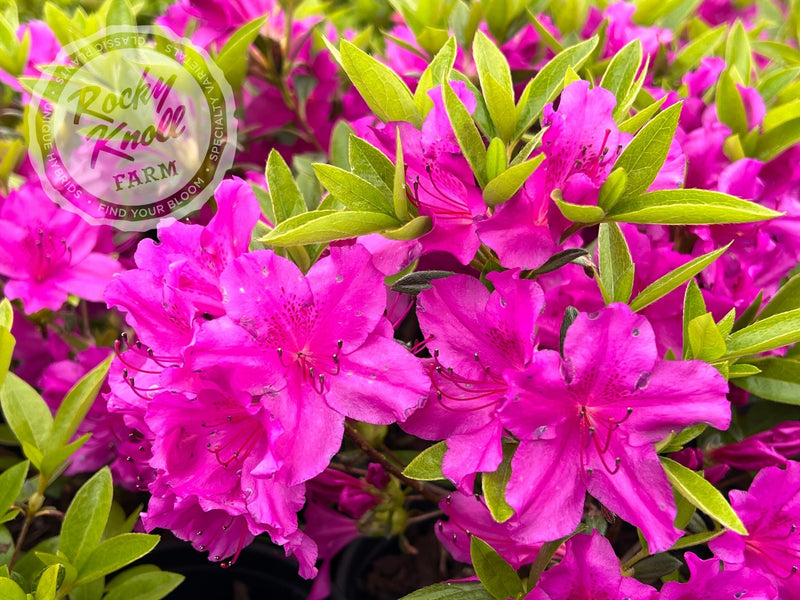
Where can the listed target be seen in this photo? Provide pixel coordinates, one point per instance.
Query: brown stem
(21, 539)
(390, 467)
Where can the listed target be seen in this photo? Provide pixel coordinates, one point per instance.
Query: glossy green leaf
(739, 370)
(500, 104)
(382, 89)
(434, 75)
(693, 306)
(766, 334)
(527, 149)
(738, 54)
(120, 14)
(11, 482)
(688, 207)
(616, 265)
(48, 583)
(399, 195)
(53, 460)
(86, 518)
(232, 59)
(656, 566)
(777, 140)
(778, 379)
(495, 78)
(612, 189)
(427, 465)
(508, 183)
(451, 591)
(489, 60)
(690, 55)
(26, 412)
(416, 227)
(730, 106)
(674, 279)
(497, 576)
(548, 82)
(644, 156)
(76, 404)
(494, 486)
(705, 339)
(467, 134)
(749, 314)
(10, 590)
(787, 299)
(702, 494)
(113, 554)
(371, 164)
(323, 226)
(154, 585)
(577, 213)
(496, 160)
(769, 86)
(352, 191)
(286, 198)
(637, 121)
(621, 71)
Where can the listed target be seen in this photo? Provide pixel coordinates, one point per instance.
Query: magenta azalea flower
(48, 253)
(707, 581)
(770, 511)
(588, 421)
(589, 570)
(475, 337)
(770, 448)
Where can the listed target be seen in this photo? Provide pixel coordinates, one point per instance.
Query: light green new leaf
(505, 185)
(494, 486)
(154, 585)
(382, 89)
(616, 264)
(674, 279)
(371, 164)
(691, 54)
(451, 591)
(489, 60)
(53, 460)
(637, 121)
(286, 198)
(612, 189)
(787, 298)
(232, 59)
(738, 370)
(705, 339)
(399, 196)
(353, 191)
(577, 213)
(730, 106)
(738, 54)
(323, 226)
(86, 518)
(496, 158)
(113, 554)
(467, 134)
(548, 82)
(622, 69)
(643, 157)
(766, 334)
(427, 465)
(416, 227)
(702, 494)
(693, 306)
(500, 104)
(11, 482)
(688, 207)
(26, 412)
(434, 75)
(778, 379)
(48, 583)
(10, 590)
(76, 404)
(120, 14)
(497, 576)
(777, 140)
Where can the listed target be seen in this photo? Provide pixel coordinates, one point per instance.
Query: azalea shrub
(522, 273)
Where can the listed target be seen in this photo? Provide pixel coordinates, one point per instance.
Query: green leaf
(25, 412)
(351, 190)
(787, 299)
(287, 200)
(749, 313)
(656, 566)
(6, 314)
(616, 264)
(76, 404)
(498, 90)
(738, 54)
(496, 160)
(232, 59)
(497, 576)
(467, 134)
(778, 379)
(115, 553)
(86, 518)
(323, 226)
(48, 583)
(730, 106)
(416, 227)
(665, 284)
(739, 370)
(11, 482)
(637, 121)
(450, 591)
(371, 164)
(53, 460)
(120, 14)
(702, 494)
(689, 207)
(427, 465)
(612, 189)
(494, 486)
(145, 586)
(777, 140)
(434, 75)
(10, 590)
(88, 591)
(705, 339)
(399, 196)
(548, 82)
(689, 57)
(693, 306)
(643, 158)
(771, 85)
(767, 334)
(382, 89)
(508, 183)
(500, 104)
(577, 213)
(622, 69)
(413, 284)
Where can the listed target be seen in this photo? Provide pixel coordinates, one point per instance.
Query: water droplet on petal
(635, 333)
(339, 278)
(592, 315)
(540, 430)
(643, 381)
